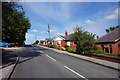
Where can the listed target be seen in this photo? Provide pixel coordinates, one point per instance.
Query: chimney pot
(66, 33)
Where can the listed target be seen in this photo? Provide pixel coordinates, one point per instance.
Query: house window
(118, 45)
(75, 43)
(110, 48)
(106, 50)
(68, 43)
(58, 42)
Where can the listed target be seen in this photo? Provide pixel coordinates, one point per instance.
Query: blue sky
(94, 17)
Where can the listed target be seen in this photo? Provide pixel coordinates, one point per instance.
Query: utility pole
(49, 35)
(49, 30)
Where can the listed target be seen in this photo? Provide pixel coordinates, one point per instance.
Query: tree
(85, 40)
(36, 42)
(111, 28)
(14, 23)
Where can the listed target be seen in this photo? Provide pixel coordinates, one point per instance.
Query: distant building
(110, 42)
(61, 41)
(46, 42)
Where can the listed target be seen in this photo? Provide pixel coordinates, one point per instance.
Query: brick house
(46, 42)
(61, 41)
(110, 42)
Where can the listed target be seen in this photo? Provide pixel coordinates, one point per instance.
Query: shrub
(66, 46)
(97, 52)
(85, 47)
(63, 48)
(52, 46)
(116, 54)
(69, 49)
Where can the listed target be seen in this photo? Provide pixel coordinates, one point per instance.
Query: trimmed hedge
(70, 49)
(52, 46)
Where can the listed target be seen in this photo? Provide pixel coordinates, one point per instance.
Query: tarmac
(94, 60)
(5, 72)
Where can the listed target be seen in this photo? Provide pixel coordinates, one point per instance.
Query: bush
(85, 47)
(69, 49)
(116, 54)
(52, 46)
(97, 52)
(66, 46)
(63, 48)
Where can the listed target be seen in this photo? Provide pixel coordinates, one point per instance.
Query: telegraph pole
(49, 35)
(49, 30)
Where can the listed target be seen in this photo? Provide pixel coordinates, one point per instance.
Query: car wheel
(6, 46)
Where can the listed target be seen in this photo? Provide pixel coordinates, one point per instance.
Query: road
(38, 62)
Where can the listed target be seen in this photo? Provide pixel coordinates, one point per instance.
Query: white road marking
(75, 72)
(41, 51)
(50, 57)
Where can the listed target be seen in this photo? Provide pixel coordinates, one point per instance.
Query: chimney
(66, 33)
(97, 37)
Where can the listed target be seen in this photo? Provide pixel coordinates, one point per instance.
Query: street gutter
(13, 68)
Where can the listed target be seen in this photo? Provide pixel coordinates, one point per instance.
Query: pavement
(9, 60)
(94, 60)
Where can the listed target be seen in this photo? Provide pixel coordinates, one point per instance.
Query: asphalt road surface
(38, 62)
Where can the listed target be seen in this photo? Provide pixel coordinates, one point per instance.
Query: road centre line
(41, 51)
(75, 72)
(50, 57)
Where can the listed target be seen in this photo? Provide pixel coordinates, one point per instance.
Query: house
(110, 42)
(46, 42)
(61, 41)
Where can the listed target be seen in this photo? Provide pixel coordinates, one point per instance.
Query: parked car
(12, 44)
(4, 44)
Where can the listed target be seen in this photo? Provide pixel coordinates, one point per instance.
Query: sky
(93, 17)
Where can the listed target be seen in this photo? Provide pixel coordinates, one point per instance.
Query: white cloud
(89, 21)
(58, 12)
(53, 31)
(38, 31)
(59, 33)
(30, 38)
(113, 15)
(34, 30)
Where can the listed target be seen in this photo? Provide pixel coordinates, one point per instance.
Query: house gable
(58, 38)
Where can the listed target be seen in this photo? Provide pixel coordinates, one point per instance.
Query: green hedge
(97, 52)
(52, 46)
(70, 49)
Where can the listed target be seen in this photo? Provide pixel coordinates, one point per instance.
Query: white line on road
(41, 51)
(75, 72)
(50, 57)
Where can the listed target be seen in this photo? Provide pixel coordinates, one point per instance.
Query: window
(75, 42)
(68, 43)
(58, 42)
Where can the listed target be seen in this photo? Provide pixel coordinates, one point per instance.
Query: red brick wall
(119, 47)
(63, 43)
(115, 48)
(73, 45)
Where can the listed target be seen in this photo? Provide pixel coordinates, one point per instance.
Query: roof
(49, 39)
(68, 37)
(112, 36)
(64, 37)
